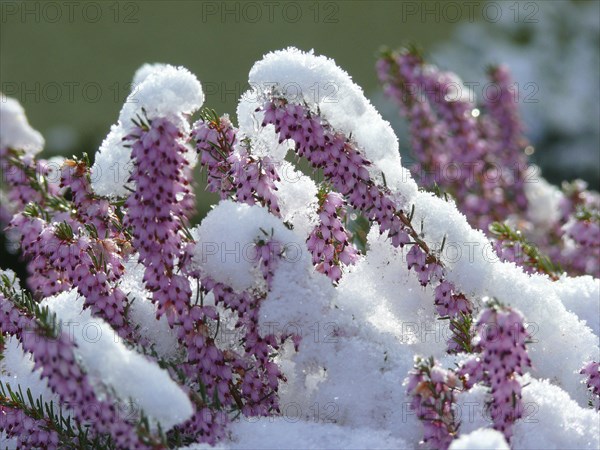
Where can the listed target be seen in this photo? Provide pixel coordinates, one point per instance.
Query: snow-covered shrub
(270, 324)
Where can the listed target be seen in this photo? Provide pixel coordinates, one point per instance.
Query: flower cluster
(348, 172)
(579, 226)
(215, 138)
(194, 351)
(155, 212)
(329, 243)
(90, 209)
(501, 338)
(231, 166)
(432, 389)
(592, 371)
(478, 155)
(62, 258)
(53, 352)
(27, 178)
(29, 432)
(475, 157)
(40, 244)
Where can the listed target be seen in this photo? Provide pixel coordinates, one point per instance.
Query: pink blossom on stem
(477, 158)
(329, 242)
(501, 338)
(90, 209)
(54, 355)
(231, 167)
(254, 178)
(347, 170)
(28, 431)
(432, 390)
(592, 371)
(155, 212)
(215, 138)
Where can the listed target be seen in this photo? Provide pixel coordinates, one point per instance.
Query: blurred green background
(71, 66)
(215, 40)
(71, 63)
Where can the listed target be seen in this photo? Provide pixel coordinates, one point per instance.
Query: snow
(12, 278)
(580, 296)
(158, 90)
(112, 166)
(268, 433)
(15, 131)
(265, 141)
(318, 81)
(16, 369)
(225, 247)
(144, 71)
(482, 439)
(478, 273)
(165, 91)
(111, 365)
(555, 421)
(543, 201)
(287, 433)
(551, 419)
(142, 312)
(297, 197)
(349, 362)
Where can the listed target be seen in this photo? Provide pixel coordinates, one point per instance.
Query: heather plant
(269, 323)
(478, 155)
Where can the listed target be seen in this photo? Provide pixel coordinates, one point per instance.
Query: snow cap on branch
(166, 91)
(110, 364)
(226, 238)
(302, 77)
(15, 131)
(159, 90)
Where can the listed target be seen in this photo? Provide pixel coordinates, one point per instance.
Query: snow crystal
(543, 201)
(108, 362)
(349, 362)
(142, 312)
(267, 433)
(287, 433)
(7, 443)
(482, 439)
(297, 196)
(226, 238)
(264, 140)
(144, 71)
(15, 131)
(113, 166)
(12, 278)
(554, 421)
(581, 296)
(16, 369)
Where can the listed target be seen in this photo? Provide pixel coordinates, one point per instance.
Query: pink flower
(501, 338)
